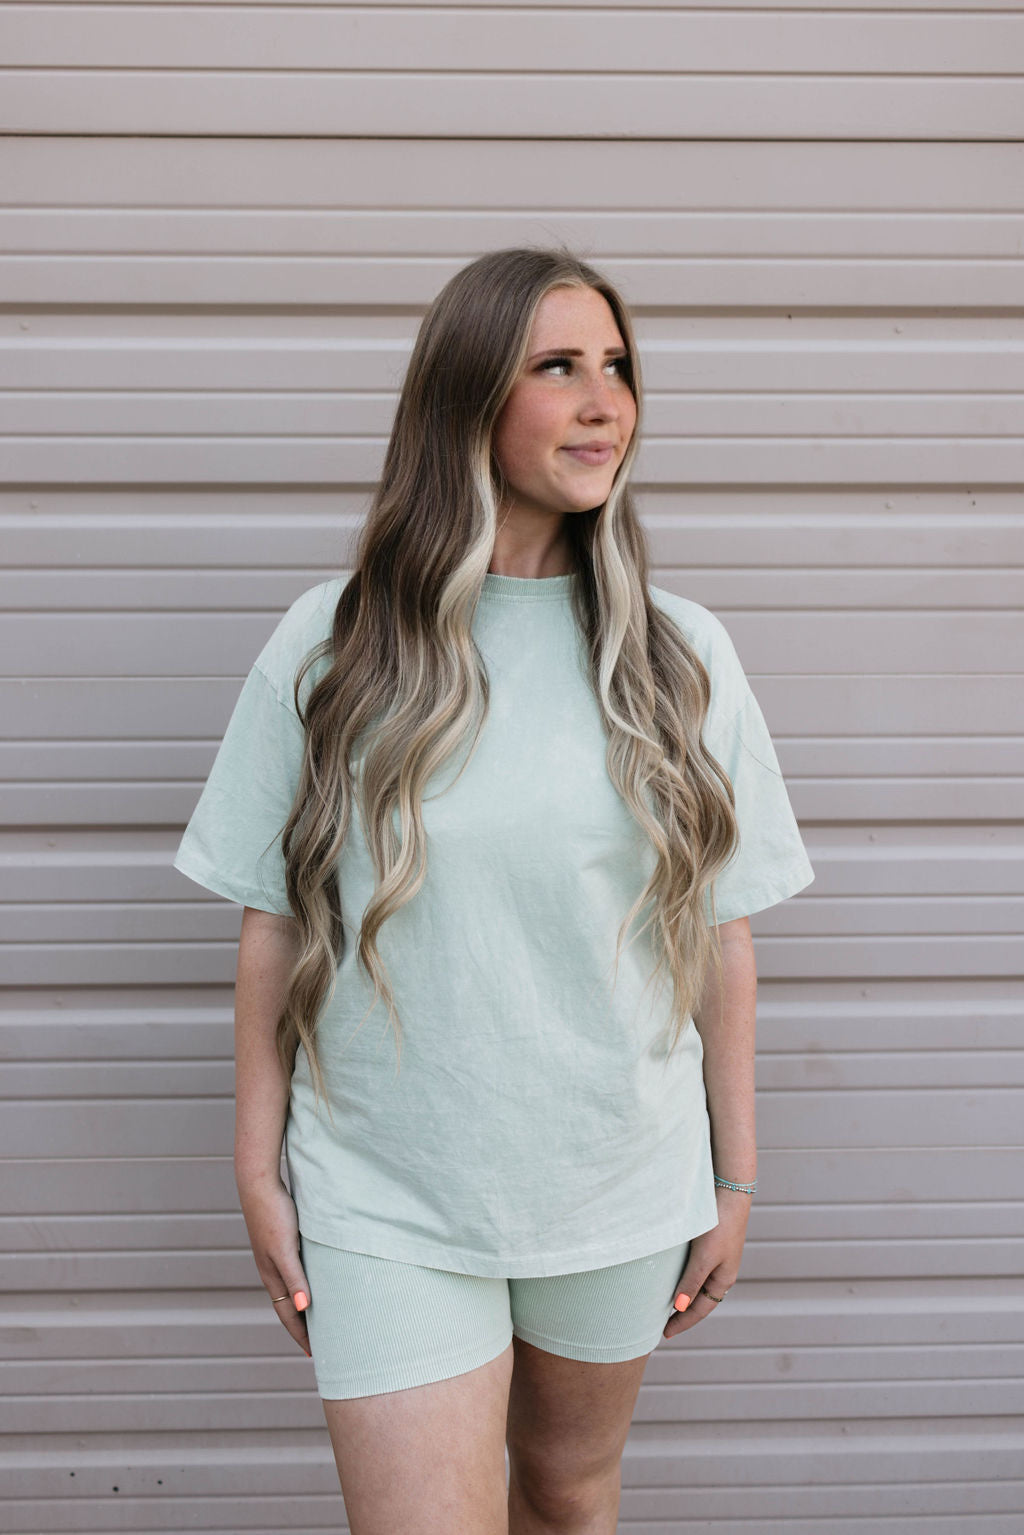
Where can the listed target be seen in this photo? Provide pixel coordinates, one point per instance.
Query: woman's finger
(693, 1299)
(696, 1310)
(289, 1293)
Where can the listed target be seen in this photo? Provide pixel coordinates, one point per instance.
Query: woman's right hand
(273, 1226)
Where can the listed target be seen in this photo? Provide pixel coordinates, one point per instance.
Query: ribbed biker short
(377, 1325)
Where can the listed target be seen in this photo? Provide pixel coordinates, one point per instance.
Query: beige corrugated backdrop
(220, 225)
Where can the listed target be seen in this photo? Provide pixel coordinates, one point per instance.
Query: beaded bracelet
(740, 1188)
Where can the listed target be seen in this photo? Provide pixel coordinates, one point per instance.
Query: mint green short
(377, 1325)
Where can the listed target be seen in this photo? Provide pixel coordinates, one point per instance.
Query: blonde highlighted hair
(407, 682)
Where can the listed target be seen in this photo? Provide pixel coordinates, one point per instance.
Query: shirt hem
(201, 873)
(376, 1243)
(796, 877)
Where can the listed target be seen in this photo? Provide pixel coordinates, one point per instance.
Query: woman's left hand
(713, 1260)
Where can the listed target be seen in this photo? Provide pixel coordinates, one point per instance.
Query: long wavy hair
(407, 682)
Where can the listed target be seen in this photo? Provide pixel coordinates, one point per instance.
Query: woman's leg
(581, 1345)
(429, 1460)
(568, 1421)
(413, 1365)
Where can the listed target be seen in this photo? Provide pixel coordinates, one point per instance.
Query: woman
(500, 785)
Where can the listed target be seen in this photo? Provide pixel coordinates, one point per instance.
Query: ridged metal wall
(219, 227)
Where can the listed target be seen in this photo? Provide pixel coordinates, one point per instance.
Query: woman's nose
(601, 399)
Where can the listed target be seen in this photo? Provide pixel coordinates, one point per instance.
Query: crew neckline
(528, 588)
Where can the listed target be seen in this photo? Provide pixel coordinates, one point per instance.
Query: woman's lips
(591, 455)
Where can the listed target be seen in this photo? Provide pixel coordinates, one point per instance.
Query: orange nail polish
(301, 1301)
(681, 1302)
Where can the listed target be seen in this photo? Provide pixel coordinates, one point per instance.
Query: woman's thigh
(428, 1457)
(413, 1365)
(581, 1347)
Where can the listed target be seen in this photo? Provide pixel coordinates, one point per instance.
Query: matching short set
(376, 1325)
(539, 1159)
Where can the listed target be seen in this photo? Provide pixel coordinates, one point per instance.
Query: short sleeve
(232, 843)
(771, 862)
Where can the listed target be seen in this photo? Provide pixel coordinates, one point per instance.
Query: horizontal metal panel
(922, 1014)
(859, 799)
(872, 1256)
(179, 1269)
(124, 1079)
(108, 1128)
(184, 1182)
(850, 1219)
(917, 1173)
(371, 38)
(108, 1025)
(453, 103)
(264, 175)
(651, 239)
(139, 1232)
(838, 1068)
(48, 709)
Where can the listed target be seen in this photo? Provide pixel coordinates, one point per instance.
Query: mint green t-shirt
(538, 1124)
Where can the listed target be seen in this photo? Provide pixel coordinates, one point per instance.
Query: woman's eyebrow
(574, 351)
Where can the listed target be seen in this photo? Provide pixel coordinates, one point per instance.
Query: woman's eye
(618, 363)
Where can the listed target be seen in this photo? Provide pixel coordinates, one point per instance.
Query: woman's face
(572, 394)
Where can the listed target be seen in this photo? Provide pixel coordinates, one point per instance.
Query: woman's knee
(567, 1426)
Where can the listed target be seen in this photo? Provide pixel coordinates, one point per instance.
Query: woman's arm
(725, 1021)
(267, 950)
(266, 953)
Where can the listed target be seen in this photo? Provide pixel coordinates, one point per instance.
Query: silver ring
(280, 1297)
(716, 1298)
